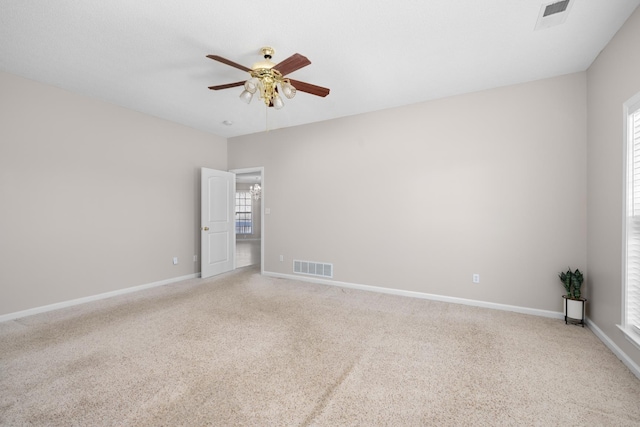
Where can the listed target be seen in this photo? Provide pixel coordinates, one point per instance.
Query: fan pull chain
(266, 118)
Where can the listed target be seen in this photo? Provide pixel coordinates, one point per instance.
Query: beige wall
(421, 197)
(94, 198)
(612, 79)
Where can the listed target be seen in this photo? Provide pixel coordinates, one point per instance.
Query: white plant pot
(574, 308)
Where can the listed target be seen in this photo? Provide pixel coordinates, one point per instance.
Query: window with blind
(631, 309)
(244, 215)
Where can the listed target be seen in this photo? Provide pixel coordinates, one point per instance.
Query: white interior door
(218, 222)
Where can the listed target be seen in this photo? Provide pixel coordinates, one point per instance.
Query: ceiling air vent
(553, 8)
(552, 14)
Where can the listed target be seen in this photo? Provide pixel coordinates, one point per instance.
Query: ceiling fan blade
(309, 88)
(292, 63)
(227, 86)
(226, 61)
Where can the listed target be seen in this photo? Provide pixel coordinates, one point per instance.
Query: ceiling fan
(268, 79)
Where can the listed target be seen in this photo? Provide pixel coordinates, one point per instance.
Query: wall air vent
(552, 14)
(312, 268)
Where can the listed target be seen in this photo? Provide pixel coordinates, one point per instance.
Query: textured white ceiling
(149, 56)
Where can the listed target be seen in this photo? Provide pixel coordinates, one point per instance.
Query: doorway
(249, 217)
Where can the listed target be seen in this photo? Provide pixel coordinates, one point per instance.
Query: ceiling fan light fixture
(277, 101)
(251, 85)
(246, 96)
(288, 90)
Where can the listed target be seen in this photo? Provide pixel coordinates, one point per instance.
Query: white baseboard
(64, 304)
(434, 297)
(633, 367)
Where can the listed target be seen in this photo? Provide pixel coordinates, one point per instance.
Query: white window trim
(631, 335)
(631, 332)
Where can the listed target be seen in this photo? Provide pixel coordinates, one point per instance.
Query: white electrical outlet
(281, 258)
(175, 260)
(476, 278)
(195, 258)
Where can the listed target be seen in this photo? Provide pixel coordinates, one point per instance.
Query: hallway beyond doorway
(247, 252)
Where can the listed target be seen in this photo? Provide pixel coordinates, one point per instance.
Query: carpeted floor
(242, 349)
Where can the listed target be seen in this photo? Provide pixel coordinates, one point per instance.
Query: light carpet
(246, 350)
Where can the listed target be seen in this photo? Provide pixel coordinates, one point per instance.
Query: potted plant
(573, 301)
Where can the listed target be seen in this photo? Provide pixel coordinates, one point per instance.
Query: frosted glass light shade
(251, 85)
(288, 90)
(277, 102)
(246, 96)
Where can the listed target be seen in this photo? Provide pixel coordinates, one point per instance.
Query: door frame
(262, 208)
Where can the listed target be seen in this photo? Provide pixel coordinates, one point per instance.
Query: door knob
(205, 228)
